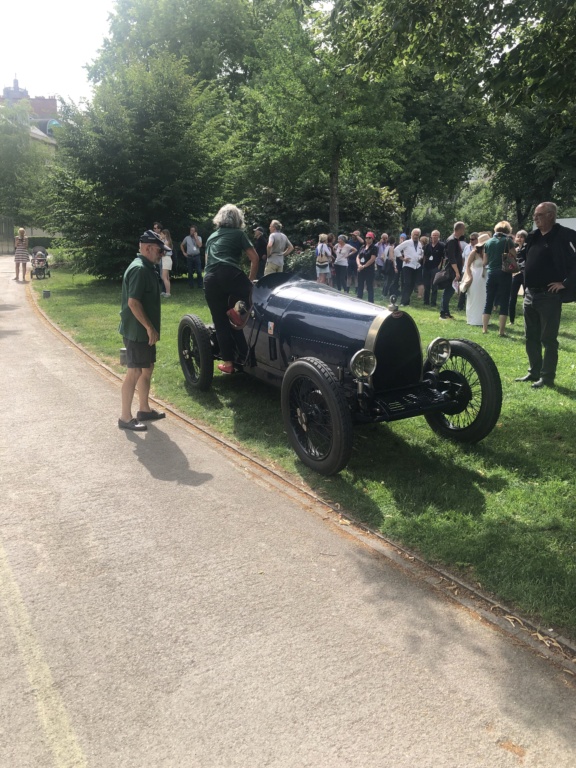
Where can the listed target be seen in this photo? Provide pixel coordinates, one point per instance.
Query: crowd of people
(487, 271)
(410, 267)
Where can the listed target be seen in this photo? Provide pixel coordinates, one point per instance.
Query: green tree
(442, 141)
(216, 38)
(23, 165)
(143, 150)
(531, 158)
(309, 129)
(514, 49)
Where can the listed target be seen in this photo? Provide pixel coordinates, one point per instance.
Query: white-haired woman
(21, 255)
(224, 278)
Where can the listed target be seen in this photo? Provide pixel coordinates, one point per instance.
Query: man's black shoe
(542, 383)
(528, 377)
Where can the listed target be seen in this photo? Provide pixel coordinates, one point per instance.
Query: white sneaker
(166, 295)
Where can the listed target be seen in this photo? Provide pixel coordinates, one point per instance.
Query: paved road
(163, 606)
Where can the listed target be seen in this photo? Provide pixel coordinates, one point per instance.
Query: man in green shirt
(140, 329)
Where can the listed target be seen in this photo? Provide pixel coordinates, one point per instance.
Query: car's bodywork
(339, 359)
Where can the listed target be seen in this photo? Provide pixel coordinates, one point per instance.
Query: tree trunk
(334, 216)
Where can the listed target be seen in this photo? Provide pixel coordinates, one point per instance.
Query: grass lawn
(502, 513)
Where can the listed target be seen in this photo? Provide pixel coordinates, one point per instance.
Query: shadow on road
(163, 458)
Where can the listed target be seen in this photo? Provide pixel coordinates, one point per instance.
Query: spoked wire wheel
(479, 400)
(316, 416)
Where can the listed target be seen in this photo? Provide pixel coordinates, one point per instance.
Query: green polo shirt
(140, 282)
(225, 246)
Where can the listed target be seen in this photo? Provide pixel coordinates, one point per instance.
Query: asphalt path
(163, 604)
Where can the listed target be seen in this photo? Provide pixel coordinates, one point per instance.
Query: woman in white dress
(475, 274)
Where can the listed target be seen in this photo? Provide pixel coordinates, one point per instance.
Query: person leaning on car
(225, 279)
(140, 329)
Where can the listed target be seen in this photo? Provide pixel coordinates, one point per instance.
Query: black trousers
(220, 286)
(542, 314)
(341, 277)
(366, 277)
(408, 283)
(517, 281)
(430, 290)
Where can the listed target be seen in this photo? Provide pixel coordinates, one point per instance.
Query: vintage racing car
(340, 360)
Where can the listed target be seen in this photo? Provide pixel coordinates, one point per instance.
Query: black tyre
(195, 352)
(316, 416)
(481, 398)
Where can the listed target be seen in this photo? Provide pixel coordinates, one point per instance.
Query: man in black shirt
(433, 255)
(260, 243)
(453, 254)
(550, 271)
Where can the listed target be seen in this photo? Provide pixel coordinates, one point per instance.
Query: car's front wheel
(316, 416)
(195, 352)
(479, 400)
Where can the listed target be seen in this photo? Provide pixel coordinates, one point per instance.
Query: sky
(45, 45)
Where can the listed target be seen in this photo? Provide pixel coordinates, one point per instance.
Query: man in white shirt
(278, 247)
(410, 251)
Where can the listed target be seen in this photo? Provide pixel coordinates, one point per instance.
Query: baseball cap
(370, 234)
(151, 237)
(259, 229)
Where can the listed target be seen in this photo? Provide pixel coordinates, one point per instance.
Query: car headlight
(363, 364)
(438, 352)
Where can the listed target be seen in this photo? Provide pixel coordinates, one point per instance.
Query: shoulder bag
(445, 276)
(509, 260)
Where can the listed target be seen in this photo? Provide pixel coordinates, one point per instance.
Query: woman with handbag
(474, 281)
(323, 260)
(500, 260)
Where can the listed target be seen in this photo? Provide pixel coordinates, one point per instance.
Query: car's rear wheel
(316, 416)
(195, 352)
(480, 398)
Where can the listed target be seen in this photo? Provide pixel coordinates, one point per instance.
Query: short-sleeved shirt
(190, 245)
(453, 252)
(495, 249)
(366, 253)
(344, 253)
(260, 247)
(225, 246)
(278, 242)
(140, 282)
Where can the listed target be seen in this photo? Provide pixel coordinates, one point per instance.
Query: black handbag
(445, 276)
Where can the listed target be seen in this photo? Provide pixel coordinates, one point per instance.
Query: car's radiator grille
(398, 353)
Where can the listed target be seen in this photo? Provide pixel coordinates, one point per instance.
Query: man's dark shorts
(139, 354)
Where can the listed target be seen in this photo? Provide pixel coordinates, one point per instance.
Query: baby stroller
(39, 264)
